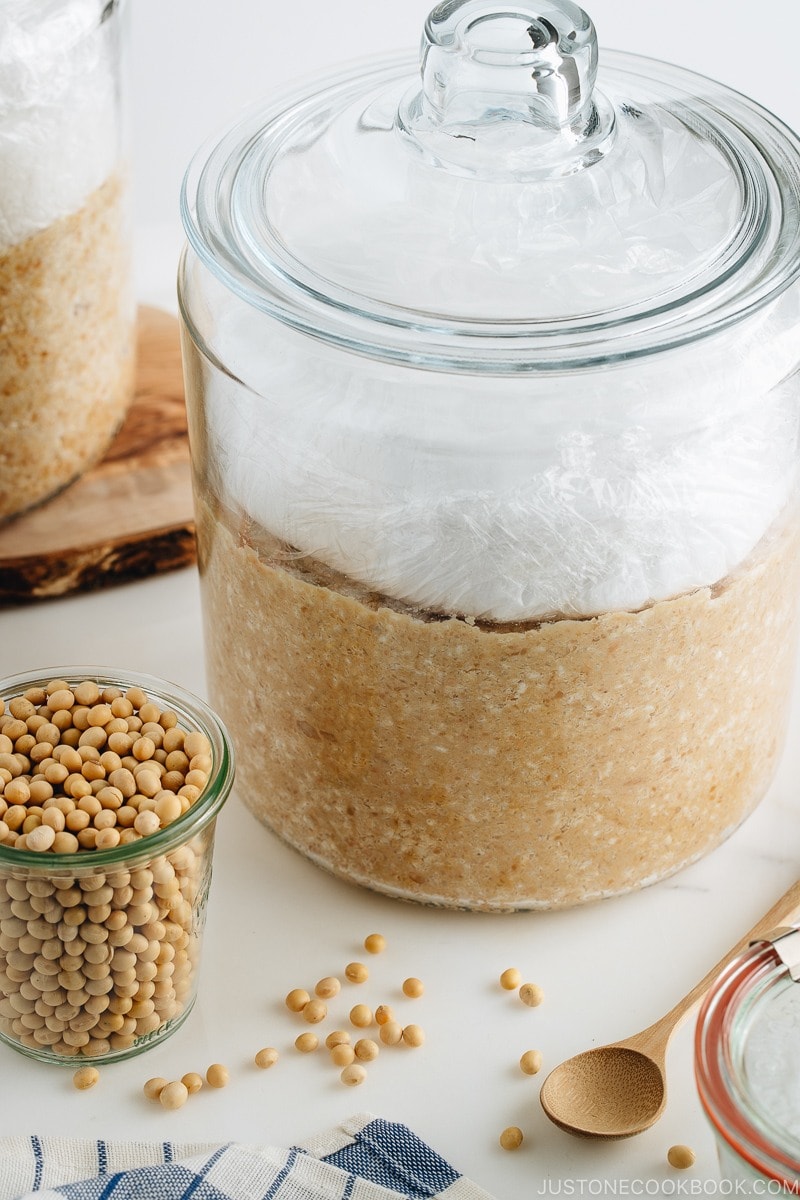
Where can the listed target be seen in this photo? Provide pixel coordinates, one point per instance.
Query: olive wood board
(130, 515)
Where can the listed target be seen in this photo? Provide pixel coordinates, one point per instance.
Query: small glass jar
(67, 311)
(495, 459)
(747, 1066)
(100, 949)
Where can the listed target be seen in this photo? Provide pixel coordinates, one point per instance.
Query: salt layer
(58, 111)
(507, 499)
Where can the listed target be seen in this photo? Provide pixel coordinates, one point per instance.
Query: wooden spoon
(618, 1090)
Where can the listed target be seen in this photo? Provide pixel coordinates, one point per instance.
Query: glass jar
(67, 312)
(493, 408)
(100, 949)
(747, 1065)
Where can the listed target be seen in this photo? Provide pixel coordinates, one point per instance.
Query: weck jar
(747, 1066)
(67, 312)
(102, 919)
(493, 404)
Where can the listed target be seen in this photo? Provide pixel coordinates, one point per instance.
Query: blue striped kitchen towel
(365, 1158)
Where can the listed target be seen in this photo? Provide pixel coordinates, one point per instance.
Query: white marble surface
(274, 920)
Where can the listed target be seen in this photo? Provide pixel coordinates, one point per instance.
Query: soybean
(511, 1138)
(342, 1054)
(681, 1157)
(315, 1011)
(328, 987)
(366, 1050)
(531, 1062)
(531, 994)
(154, 1087)
(361, 1016)
(217, 1076)
(391, 1033)
(85, 1078)
(266, 1058)
(174, 1095)
(306, 1042)
(297, 999)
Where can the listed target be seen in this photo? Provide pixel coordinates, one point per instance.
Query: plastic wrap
(58, 122)
(508, 500)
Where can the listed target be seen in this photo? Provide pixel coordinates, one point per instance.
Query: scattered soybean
(681, 1157)
(531, 994)
(511, 1138)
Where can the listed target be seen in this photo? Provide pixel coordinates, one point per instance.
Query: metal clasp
(786, 940)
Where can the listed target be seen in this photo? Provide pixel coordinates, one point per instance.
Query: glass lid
(515, 201)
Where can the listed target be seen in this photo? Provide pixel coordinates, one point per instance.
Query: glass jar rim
(224, 185)
(187, 706)
(732, 1110)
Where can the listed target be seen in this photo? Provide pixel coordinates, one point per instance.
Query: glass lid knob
(516, 82)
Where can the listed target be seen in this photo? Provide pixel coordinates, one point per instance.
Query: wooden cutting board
(129, 516)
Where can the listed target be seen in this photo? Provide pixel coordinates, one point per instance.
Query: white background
(276, 922)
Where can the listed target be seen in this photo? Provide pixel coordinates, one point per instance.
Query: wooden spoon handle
(658, 1034)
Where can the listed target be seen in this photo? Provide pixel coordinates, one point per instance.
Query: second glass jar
(67, 308)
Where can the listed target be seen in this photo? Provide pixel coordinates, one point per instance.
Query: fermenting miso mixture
(66, 304)
(495, 460)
